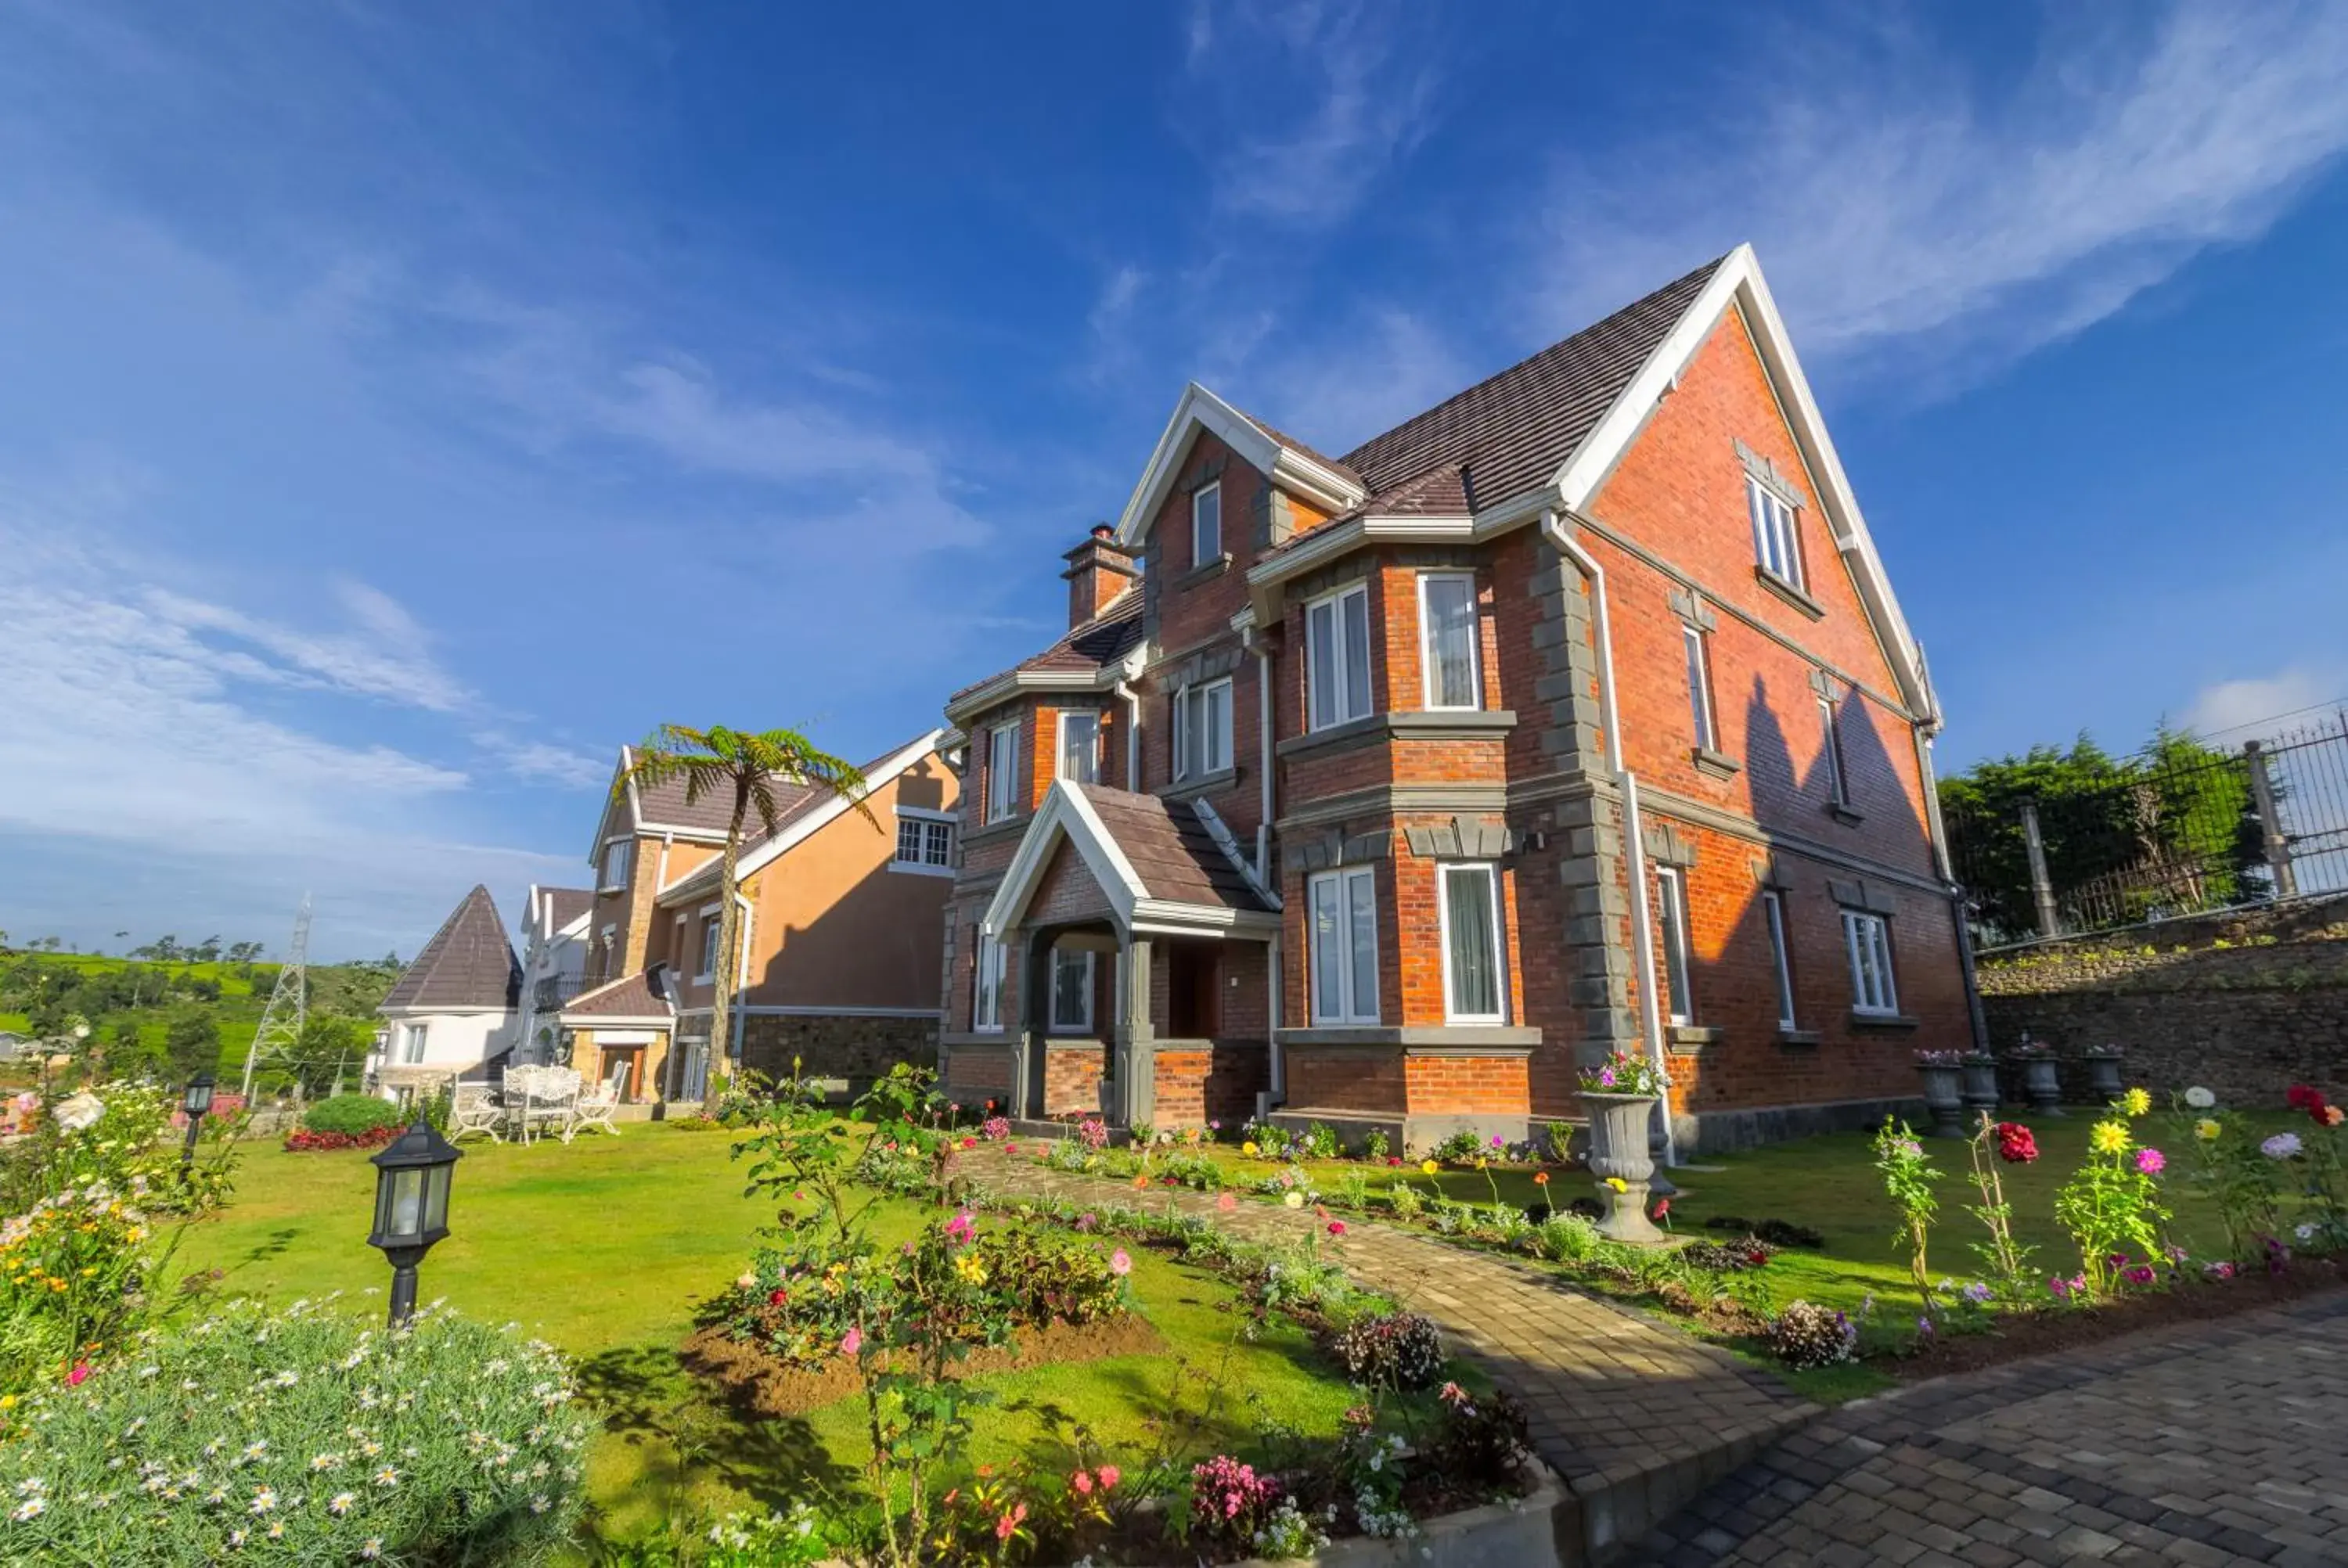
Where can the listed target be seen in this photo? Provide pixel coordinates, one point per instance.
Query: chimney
(1099, 570)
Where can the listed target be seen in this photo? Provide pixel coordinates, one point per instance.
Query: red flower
(2015, 1143)
(1336, 1227)
(2301, 1096)
(1757, 1257)
(777, 1295)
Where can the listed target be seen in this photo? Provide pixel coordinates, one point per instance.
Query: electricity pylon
(289, 1003)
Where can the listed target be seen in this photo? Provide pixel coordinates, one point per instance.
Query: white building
(555, 935)
(455, 1010)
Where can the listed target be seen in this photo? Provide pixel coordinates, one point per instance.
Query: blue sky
(403, 405)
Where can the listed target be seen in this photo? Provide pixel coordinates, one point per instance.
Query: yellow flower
(1480, 1161)
(2206, 1130)
(1247, 1148)
(1429, 1166)
(2135, 1102)
(970, 1268)
(2109, 1137)
(1618, 1183)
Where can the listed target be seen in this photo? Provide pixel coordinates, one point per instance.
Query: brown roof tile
(468, 963)
(663, 806)
(1104, 639)
(641, 995)
(565, 904)
(1171, 849)
(1510, 432)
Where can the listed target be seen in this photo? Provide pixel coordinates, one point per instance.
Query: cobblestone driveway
(2207, 1444)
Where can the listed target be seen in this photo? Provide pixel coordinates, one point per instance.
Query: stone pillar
(1031, 960)
(1133, 1040)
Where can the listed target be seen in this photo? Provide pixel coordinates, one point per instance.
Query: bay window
(1447, 615)
(1080, 747)
(1470, 915)
(1337, 658)
(986, 985)
(1002, 771)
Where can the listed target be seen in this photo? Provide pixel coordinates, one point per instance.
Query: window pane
(1080, 747)
(1328, 950)
(1699, 695)
(1355, 608)
(940, 850)
(1468, 907)
(1361, 889)
(1321, 663)
(1451, 642)
(1206, 525)
(1072, 990)
(1760, 524)
(909, 839)
(1217, 726)
(1676, 952)
(1773, 908)
(1830, 752)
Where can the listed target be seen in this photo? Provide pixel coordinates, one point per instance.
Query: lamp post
(195, 1100)
(411, 1207)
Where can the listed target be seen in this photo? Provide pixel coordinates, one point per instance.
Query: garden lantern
(195, 1100)
(411, 1206)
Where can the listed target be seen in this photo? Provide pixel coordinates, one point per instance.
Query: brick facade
(1746, 817)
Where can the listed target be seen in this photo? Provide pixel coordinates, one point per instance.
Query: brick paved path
(1636, 1416)
(2204, 1444)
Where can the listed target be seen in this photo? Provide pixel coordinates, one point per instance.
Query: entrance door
(624, 1068)
(1194, 998)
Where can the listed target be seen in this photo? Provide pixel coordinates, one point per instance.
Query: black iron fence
(2183, 828)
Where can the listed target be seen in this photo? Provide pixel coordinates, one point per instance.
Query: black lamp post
(411, 1206)
(195, 1100)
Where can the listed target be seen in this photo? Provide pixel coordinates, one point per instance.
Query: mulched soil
(763, 1385)
(2038, 1333)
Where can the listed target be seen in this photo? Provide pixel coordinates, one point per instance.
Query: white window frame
(1698, 650)
(609, 880)
(1082, 1025)
(1003, 771)
(1671, 935)
(1428, 667)
(986, 986)
(1190, 702)
(932, 834)
(1339, 708)
(412, 1041)
(1830, 747)
(1073, 722)
(1781, 957)
(1346, 1006)
(1213, 551)
(1777, 532)
(710, 927)
(1874, 984)
(1444, 872)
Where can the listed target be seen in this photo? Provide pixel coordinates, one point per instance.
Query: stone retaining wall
(2246, 1003)
(855, 1048)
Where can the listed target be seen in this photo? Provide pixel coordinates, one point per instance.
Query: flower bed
(302, 1140)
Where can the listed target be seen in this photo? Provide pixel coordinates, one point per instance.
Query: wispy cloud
(2230, 709)
(1354, 95)
(1897, 200)
(1384, 368)
(382, 653)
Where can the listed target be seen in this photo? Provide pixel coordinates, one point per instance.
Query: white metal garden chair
(593, 1110)
(474, 1108)
(548, 1095)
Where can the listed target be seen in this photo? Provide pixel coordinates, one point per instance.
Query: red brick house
(1574, 714)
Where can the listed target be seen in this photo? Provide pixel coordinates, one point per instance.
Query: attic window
(1776, 537)
(615, 866)
(1207, 524)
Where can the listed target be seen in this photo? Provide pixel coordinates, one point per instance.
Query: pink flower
(959, 1227)
(1009, 1522)
(79, 1375)
(1082, 1482)
(1227, 1203)
(2150, 1160)
(1336, 1227)
(1119, 1264)
(1109, 1475)
(852, 1343)
(1453, 1394)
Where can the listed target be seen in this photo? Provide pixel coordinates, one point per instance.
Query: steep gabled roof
(468, 963)
(561, 905)
(1510, 432)
(1161, 865)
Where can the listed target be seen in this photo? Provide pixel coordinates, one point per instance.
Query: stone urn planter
(1980, 1072)
(1618, 1152)
(1945, 1096)
(2104, 1074)
(2042, 1079)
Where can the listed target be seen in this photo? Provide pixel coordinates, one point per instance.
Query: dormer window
(1777, 540)
(615, 866)
(1207, 524)
(1337, 658)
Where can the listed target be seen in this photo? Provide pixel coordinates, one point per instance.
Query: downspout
(1635, 843)
(1132, 735)
(1962, 934)
(1254, 639)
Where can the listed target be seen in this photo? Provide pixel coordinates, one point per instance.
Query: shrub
(1806, 1334)
(1462, 1148)
(1565, 1238)
(1484, 1439)
(1391, 1350)
(309, 1436)
(1230, 1501)
(1048, 1276)
(351, 1114)
(1320, 1142)
(1376, 1146)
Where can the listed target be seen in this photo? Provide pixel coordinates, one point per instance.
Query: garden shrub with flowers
(300, 1436)
(354, 1115)
(1391, 1350)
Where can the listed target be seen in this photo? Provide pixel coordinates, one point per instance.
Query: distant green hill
(133, 1000)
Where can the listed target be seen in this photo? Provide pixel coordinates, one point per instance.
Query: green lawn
(605, 1247)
